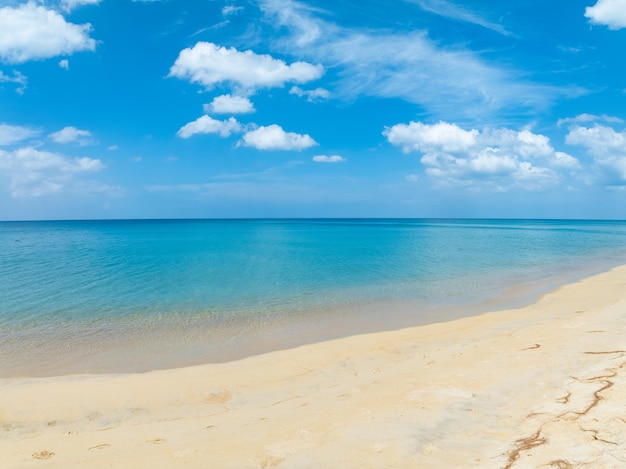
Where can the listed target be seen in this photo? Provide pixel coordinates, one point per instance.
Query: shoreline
(541, 385)
(180, 342)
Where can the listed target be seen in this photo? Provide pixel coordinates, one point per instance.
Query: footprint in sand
(156, 441)
(45, 454)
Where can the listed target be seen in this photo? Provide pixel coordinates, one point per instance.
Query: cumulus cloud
(599, 139)
(611, 13)
(317, 94)
(209, 64)
(69, 5)
(12, 134)
(31, 32)
(416, 136)
(273, 137)
(329, 159)
(35, 173)
(607, 147)
(208, 125)
(227, 104)
(496, 158)
(71, 134)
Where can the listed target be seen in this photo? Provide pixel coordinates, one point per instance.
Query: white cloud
(299, 18)
(69, 5)
(582, 118)
(495, 158)
(416, 136)
(608, 148)
(208, 125)
(227, 104)
(452, 11)
(446, 81)
(31, 32)
(229, 10)
(71, 134)
(564, 160)
(599, 139)
(12, 134)
(64, 64)
(16, 78)
(273, 137)
(35, 173)
(317, 94)
(209, 64)
(611, 13)
(329, 159)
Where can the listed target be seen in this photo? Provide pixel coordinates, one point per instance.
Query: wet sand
(540, 386)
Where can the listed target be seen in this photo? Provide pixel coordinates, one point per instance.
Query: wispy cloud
(455, 12)
(229, 10)
(329, 159)
(448, 82)
(69, 5)
(318, 94)
(12, 134)
(582, 118)
(17, 78)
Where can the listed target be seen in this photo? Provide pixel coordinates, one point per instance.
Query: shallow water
(109, 296)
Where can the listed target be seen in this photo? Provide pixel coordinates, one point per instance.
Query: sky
(313, 108)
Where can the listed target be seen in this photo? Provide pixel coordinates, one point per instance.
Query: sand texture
(542, 386)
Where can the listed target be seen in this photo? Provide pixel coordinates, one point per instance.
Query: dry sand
(541, 386)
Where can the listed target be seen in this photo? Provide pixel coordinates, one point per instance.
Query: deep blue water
(67, 283)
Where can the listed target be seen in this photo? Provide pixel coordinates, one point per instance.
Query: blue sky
(278, 108)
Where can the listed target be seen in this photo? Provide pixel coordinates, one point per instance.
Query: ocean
(138, 295)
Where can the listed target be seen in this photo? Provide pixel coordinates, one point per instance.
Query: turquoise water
(135, 295)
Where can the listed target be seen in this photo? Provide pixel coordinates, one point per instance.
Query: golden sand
(540, 386)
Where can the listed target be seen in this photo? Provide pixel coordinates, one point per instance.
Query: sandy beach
(540, 386)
